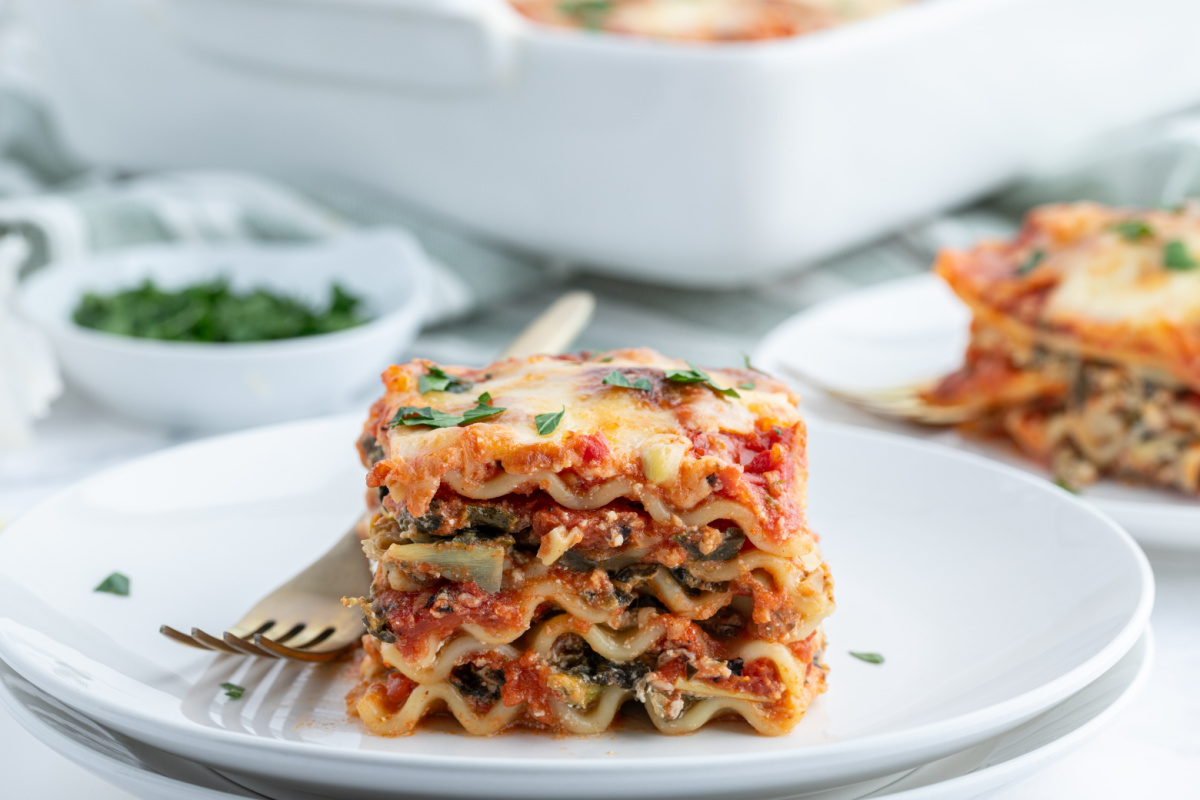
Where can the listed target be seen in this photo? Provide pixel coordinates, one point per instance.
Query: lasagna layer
(573, 677)
(687, 451)
(780, 599)
(1113, 285)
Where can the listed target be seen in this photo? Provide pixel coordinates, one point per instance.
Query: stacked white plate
(1012, 618)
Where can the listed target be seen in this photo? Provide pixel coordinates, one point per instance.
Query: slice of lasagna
(1085, 342)
(554, 537)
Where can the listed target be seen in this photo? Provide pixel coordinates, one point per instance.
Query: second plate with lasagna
(914, 332)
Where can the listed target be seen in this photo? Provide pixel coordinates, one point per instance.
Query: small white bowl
(236, 385)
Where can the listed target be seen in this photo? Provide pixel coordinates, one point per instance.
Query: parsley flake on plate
(433, 418)
(233, 691)
(697, 375)
(870, 658)
(115, 583)
(617, 378)
(435, 379)
(546, 423)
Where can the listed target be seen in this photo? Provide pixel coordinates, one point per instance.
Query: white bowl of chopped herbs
(230, 336)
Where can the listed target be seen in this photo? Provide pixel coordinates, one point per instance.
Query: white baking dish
(689, 164)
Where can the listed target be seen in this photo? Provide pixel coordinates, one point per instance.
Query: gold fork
(304, 619)
(905, 402)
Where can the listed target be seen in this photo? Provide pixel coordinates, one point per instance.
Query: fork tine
(246, 647)
(181, 637)
(295, 631)
(314, 641)
(301, 655)
(898, 402)
(211, 642)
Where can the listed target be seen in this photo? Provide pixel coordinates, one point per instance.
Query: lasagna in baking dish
(703, 20)
(557, 536)
(1085, 342)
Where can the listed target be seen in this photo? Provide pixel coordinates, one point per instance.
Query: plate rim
(984, 721)
(994, 776)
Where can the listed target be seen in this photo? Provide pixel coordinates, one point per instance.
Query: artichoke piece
(729, 547)
(491, 517)
(456, 560)
(574, 690)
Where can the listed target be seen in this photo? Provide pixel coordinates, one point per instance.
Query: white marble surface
(1153, 749)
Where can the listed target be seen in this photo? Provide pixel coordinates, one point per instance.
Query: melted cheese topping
(677, 448)
(703, 20)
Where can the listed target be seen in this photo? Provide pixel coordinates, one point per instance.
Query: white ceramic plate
(153, 774)
(915, 329)
(992, 595)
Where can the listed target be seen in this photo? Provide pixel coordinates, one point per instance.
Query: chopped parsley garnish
(212, 312)
(749, 366)
(870, 658)
(1031, 263)
(747, 385)
(116, 583)
(233, 691)
(436, 380)
(1133, 229)
(432, 417)
(697, 375)
(1176, 256)
(617, 378)
(588, 13)
(546, 423)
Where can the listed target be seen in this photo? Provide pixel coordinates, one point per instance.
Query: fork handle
(556, 328)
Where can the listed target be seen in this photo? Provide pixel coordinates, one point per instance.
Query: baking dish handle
(433, 44)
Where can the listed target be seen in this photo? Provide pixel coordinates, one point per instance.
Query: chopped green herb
(432, 417)
(233, 691)
(606, 360)
(1062, 484)
(212, 312)
(1176, 256)
(436, 380)
(870, 658)
(749, 366)
(1133, 229)
(114, 584)
(588, 13)
(697, 375)
(1031, 263)
(747, 385)
(546, 423)
(617, 378)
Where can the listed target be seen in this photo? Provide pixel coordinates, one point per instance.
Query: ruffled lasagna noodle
(650, 547)
(1085, 344)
